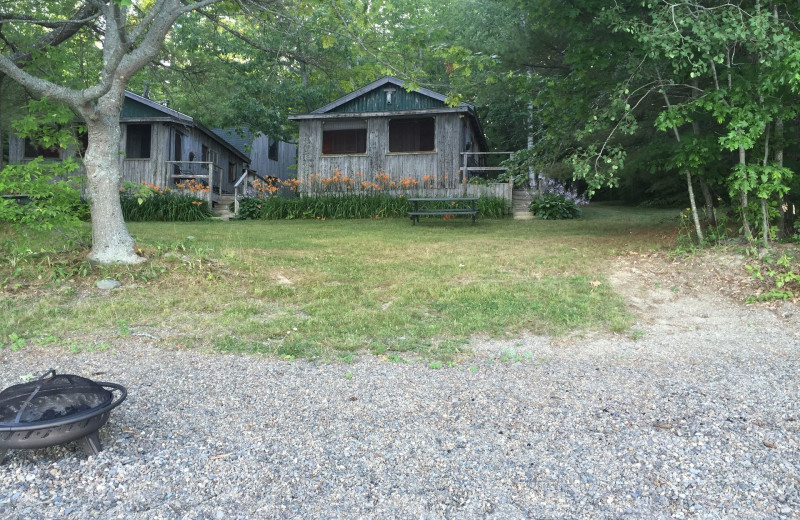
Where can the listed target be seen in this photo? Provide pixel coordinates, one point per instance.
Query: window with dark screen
(272, 153)
(344, 137)
(137, 142)
(412, 135)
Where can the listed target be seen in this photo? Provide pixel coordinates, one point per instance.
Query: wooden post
(210, 184)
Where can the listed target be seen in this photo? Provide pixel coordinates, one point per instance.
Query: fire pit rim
(72, 418)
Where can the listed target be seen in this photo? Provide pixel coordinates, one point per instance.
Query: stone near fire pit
(108, 285)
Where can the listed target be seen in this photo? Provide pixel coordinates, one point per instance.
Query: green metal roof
(135, 110)
(376, 101)
(138, 107)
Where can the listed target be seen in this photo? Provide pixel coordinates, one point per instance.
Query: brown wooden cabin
(161, 146)
(384, 129)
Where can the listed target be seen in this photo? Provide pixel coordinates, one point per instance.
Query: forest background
(645, 102)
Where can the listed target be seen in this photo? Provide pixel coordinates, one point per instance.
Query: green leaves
(327, 41)
(554, 206)
(39, 197)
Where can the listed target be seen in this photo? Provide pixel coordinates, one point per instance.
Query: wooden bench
(458, 206)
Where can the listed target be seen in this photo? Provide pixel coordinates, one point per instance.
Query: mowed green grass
(332, 289)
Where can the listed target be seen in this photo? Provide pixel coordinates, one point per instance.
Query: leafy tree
(123, 36)
(49, 200)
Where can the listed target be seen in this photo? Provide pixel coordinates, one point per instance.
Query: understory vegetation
(778, 274)
(554, 206)
(351, 206)
(332, 289)
(151, 203)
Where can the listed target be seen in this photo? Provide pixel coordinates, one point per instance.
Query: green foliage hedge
(164, 207)
(344, 207)
(554, 206)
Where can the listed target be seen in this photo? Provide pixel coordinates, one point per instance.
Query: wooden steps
(221, 205)
(520, 200)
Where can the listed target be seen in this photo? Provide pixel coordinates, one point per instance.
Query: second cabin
(382, 134)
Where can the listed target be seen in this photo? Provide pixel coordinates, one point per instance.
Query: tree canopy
(644, 100)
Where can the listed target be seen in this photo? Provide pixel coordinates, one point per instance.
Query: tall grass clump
(349, 206)
(150, 203)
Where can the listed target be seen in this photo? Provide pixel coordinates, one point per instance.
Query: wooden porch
(205, 174)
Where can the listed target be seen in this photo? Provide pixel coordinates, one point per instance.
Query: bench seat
(454, 211)
(414, 215)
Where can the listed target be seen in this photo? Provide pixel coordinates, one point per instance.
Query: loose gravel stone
(690, 420)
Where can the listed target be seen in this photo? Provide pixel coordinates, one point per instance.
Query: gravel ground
(694, 414)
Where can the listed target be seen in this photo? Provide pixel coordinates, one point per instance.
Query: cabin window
(33, 150)
(344, 137)
(137, 141)
(231, 172)
(412, 134)
(272, 153)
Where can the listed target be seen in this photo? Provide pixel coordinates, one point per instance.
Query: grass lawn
(332, 289)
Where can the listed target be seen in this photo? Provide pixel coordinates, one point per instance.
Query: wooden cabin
(383, 134)
(161, 146)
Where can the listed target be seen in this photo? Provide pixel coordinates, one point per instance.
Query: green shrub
(164, 206)
(43, 194)
(343, 207)
(554, 206)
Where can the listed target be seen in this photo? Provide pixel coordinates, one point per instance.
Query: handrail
(247, 173)
(466, 167)
(210, 176)
(484, 153)
(242, 178)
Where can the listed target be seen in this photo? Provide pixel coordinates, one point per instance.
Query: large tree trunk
(111, 241)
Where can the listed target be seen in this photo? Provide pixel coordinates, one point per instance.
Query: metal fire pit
(56, 409)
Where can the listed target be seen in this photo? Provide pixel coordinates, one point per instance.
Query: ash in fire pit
(56, 409)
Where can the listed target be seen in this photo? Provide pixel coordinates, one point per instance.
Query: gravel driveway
(695, 414)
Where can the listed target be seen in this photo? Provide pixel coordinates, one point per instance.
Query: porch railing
(471, 162)
(240, 188)
(205, 172)
(245, 187)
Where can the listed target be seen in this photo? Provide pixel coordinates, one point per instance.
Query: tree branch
(254, 44)
(66, 30)
(197, 5)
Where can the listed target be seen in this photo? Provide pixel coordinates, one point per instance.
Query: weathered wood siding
(154, 170)
(441, 166)
(286, 165)
(375, 101)
(16, 149)
(149, 170)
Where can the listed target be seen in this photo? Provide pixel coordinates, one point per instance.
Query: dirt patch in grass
(690, 284)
